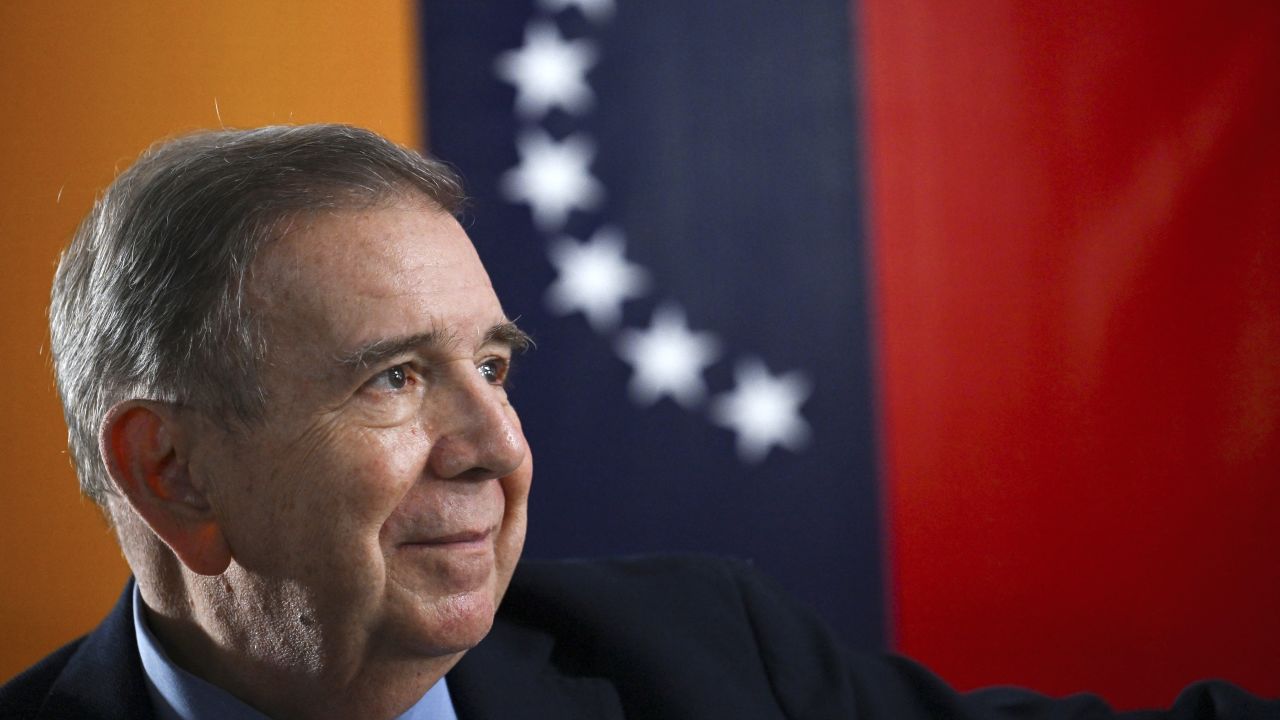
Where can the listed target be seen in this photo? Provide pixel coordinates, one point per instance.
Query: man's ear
(144, 448)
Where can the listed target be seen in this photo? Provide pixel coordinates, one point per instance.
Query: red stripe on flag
(1076, 239)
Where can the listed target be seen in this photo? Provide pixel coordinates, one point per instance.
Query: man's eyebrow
(509, 334)
(379, 351)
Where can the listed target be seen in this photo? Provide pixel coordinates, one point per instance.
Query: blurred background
(958, 319)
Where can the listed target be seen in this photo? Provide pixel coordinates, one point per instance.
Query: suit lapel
(513, 673)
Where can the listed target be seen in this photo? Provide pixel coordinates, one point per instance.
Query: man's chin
(450, 624)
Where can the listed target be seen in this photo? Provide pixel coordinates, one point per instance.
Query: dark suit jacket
(663, 638)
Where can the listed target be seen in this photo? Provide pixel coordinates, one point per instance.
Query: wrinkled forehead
(347, 274)
(379, 238)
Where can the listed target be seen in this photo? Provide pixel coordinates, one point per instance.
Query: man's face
(379, 507)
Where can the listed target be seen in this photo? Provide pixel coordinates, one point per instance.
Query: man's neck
(291, 677)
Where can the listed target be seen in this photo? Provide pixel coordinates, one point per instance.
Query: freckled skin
(338, 597)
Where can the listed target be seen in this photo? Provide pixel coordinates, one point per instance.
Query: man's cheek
(387, 464)
(367, 477)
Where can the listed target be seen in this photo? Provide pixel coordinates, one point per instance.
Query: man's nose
(475, 431)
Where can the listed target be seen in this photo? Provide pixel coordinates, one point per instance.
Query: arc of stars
(594, 277)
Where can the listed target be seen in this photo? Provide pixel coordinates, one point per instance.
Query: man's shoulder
(22, 696)
(706, 633)
(655, 636)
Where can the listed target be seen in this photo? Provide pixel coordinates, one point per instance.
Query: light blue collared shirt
(178, 695)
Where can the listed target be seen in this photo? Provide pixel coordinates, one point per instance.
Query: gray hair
(149, 297)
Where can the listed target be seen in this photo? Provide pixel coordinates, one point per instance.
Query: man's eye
(393, 378)
(494, 370)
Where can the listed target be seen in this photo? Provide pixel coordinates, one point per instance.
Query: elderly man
(282, 366)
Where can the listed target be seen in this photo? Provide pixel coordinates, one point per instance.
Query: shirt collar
(178, 695)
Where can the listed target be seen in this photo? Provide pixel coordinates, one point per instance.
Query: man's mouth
(456, 540)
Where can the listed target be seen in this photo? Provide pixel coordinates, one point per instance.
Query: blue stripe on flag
(667, 194)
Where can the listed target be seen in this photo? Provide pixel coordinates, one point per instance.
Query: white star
(548, 71)
(667, 359)
(553, 177)
(594, 278)
(764, 410)
(595, 10)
